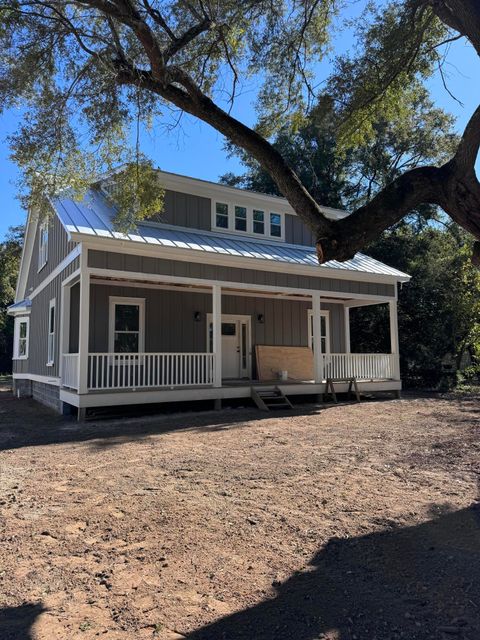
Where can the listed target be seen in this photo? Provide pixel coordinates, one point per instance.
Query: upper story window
(21, 336)
(248, 221)
(43, 245)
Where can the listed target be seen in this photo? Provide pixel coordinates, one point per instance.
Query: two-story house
(219, 293)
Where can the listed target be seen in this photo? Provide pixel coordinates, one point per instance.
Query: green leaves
(136, 194)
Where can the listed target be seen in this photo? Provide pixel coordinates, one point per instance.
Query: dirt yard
(357, 522)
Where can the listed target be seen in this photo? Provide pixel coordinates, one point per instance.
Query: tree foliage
(85, 72)
(438, 311)
(10, 252)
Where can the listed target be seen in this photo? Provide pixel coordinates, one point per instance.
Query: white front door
(230, 349)
(236, 346)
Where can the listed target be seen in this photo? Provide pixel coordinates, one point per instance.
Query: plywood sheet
(297, 361)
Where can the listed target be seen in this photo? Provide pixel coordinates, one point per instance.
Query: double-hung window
(51, 334)
(127, 322)
(43, 245)
(21, 337)
(258, 221)
(221, 215)
(240, 218)
(276, 225)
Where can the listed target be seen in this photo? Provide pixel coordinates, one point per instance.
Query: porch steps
(268, 398)
(352, 383)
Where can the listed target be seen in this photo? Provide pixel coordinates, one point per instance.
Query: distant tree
(10, 253)
(438, 311)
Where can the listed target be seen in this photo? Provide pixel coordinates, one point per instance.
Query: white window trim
(138, 302)
(43, 248)
(51, 335)
(16, 337)
(326, 315)
(249, 232)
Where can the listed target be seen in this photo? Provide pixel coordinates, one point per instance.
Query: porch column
(394, 348)
(84, 323)
(346, 320)
(317, 338)
(217, 333)
(64, 325)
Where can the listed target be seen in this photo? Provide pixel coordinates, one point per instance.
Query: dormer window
(43, 245)
(247, 221)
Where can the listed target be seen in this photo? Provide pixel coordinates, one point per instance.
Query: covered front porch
(162, 339)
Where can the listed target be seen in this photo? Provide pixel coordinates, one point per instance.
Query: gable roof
(93, 217)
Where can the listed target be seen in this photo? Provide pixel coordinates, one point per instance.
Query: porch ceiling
(226, 290)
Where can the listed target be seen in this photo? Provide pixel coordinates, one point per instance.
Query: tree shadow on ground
(16, 623)
(415, 583)
(25, 423)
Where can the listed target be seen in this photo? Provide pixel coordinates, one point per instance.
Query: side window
(51, 333)
(43, 245)
(276, 225)
(22, 330)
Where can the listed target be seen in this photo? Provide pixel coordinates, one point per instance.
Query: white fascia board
(57, 271)
(206, 189)
(37, 378)
(27, 251)
(212, 258)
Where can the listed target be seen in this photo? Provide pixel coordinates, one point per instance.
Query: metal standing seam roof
(94, 216)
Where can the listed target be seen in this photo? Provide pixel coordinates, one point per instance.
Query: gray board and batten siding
(161, 266)
(36, 363)
(195, 212)
(58, 248)
(170, 324)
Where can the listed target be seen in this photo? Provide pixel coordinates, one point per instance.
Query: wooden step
(270, 398)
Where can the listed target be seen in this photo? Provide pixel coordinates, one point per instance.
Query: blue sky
(196, 149)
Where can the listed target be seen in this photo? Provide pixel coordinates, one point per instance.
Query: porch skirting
(226, 392)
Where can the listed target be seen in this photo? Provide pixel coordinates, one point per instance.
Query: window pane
(23, 330)
(222, 222)
(126, 343)
(51, 327)
(229, 328)
(258, 215)
(275, 218)
(222, 208)
(22, 347)
(258, 227)
(275, 231)
(127, 317)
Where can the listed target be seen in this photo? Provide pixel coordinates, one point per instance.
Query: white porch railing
(144, 370)
(363, 366)
(70, 370)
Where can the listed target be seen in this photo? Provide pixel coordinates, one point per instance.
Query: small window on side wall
(51, 334)
(43, 245)
(22, 326)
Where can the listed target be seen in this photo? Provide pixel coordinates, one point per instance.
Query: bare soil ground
(357, 522)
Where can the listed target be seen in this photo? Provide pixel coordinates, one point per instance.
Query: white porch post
(64, 325)
(394, 346)
(84, 323)
(217, 333)
(346, 320)
(317, 338)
